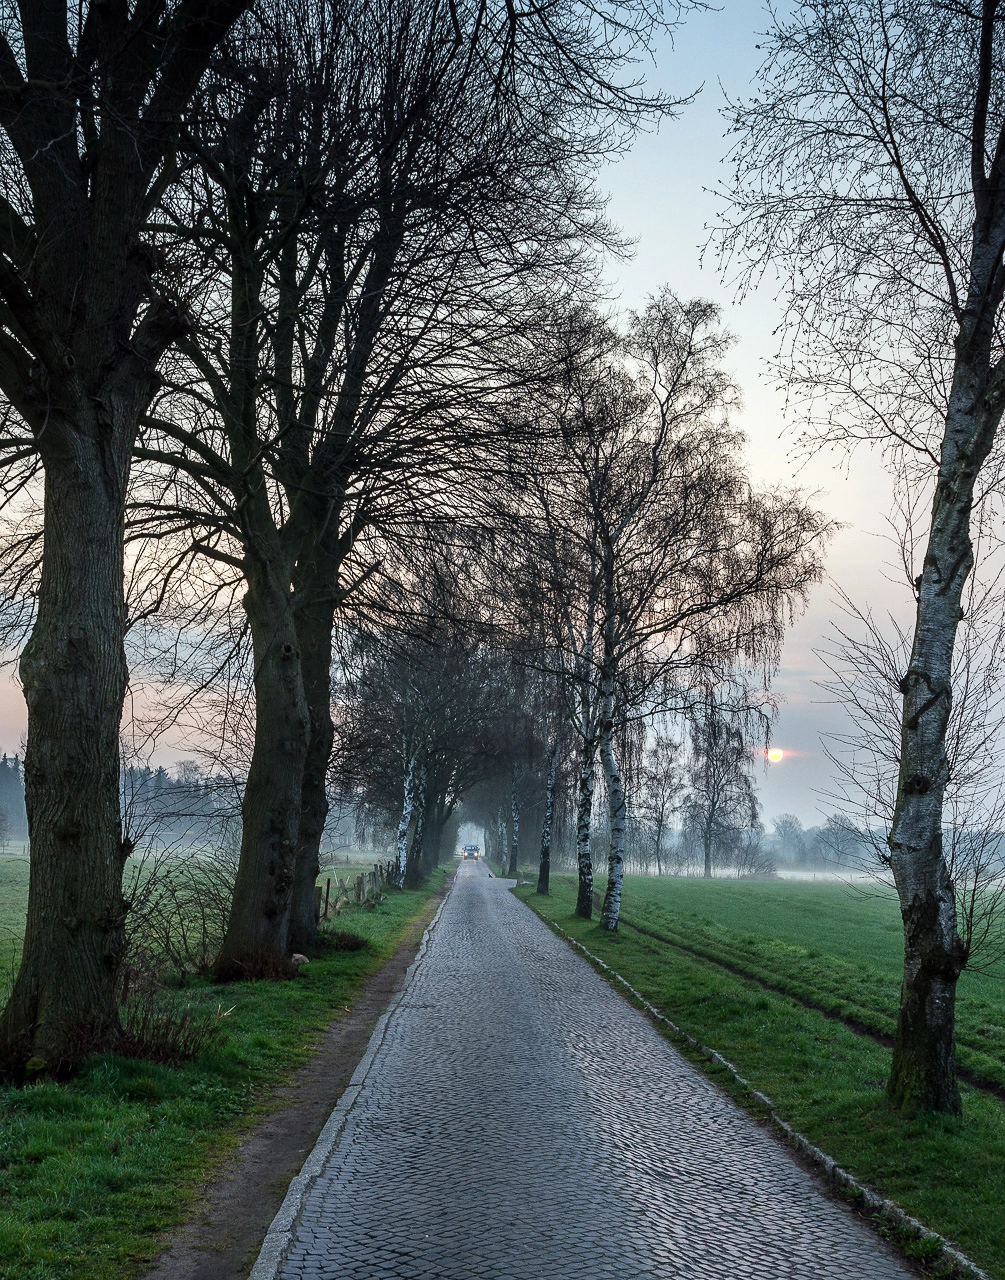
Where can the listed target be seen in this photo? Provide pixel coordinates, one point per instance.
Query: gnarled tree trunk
(74, 674)
(83, 330)
(314, 631)
(255, 945)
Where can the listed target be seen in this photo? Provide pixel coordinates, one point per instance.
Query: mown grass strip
(834, 940)
(825, 1080)
(94, 1172)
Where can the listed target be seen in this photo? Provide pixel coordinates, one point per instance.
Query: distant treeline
(12, 798)
(186, 806)
(157, 806)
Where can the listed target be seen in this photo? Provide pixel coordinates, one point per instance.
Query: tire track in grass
(978, 1069)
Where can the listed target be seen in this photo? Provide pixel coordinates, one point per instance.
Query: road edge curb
(280, 1234)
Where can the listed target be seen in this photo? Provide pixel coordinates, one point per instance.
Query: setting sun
(776, 755)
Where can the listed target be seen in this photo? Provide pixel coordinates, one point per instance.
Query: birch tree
(551, 778)
(647, 552)
(869, 172)
(721, 801)
(408, 800)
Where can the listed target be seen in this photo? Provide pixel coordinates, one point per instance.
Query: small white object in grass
(297, 958)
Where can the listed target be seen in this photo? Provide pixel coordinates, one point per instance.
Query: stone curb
(956, 1265)
(280, 1234)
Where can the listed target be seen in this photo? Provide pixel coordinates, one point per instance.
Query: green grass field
(13, 900)
(837, 948)
(836, 951)
(93, 1172)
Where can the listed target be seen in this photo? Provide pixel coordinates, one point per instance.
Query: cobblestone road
(521, 1121)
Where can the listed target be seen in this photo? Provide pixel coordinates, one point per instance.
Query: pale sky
(659, 197)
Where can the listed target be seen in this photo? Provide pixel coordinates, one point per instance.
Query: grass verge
(824, 1079)
(94, 1172)
(832, 948)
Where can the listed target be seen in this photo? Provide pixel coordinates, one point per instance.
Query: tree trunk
(413, 864)
(408, 801)
(82, 378)
(434, 837)
(255, 945)
(314, 631)
(584, 817)
(73, 670)
(544, 871)
(923, 1071)
(616, 805)
(706, 847)
(514, 849)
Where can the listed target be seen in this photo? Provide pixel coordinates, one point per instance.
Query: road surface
(521, 1121)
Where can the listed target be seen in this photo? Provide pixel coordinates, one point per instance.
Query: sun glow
(776, 755)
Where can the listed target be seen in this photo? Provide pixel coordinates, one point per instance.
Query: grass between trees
(836, 952)
(93, 1172)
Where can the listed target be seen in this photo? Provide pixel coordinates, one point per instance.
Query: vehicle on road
(471, 851)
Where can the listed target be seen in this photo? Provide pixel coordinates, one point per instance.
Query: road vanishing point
(516, 1119)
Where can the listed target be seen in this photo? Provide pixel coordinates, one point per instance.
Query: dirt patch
(225, 1233)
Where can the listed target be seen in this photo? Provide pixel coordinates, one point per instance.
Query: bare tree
(90, 100)
(869, 169)
(720, 807)
(646, 552)
(660, 787)
(838, 842)
(790, 838)
(383, 205)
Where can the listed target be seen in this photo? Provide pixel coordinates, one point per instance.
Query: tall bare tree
(372, 245)
(870, 170)
(90, 101)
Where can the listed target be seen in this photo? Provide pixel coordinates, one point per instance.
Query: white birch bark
(616, 807)
(584, 819)
(514, 810)
(544, 870)
(413, 860)
(408, 759)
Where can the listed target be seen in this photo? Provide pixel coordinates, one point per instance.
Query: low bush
(342, 940)
(156, 1027)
